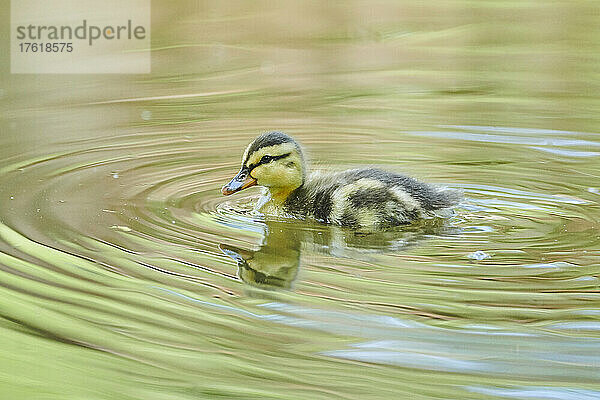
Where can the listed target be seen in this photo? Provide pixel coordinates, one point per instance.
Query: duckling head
(273, 160)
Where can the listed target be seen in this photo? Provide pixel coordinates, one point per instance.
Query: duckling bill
(357, 198)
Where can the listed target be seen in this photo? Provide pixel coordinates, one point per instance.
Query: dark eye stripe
(267, 160)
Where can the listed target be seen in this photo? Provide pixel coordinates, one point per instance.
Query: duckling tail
(445, 197)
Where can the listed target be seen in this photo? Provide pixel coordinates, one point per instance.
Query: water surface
(124, 274)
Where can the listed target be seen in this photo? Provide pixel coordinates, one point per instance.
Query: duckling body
(365, 198)
(357, 198)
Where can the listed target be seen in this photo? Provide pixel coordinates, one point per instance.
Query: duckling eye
(266, 159)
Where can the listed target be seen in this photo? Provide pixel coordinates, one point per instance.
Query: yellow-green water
(118, 271)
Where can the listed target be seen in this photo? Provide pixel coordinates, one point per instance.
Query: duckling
(357, 198)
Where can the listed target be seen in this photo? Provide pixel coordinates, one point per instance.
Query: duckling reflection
(276, 262)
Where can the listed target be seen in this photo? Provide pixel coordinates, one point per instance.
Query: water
(124, 274)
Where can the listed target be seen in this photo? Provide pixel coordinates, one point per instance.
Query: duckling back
(367, 198)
